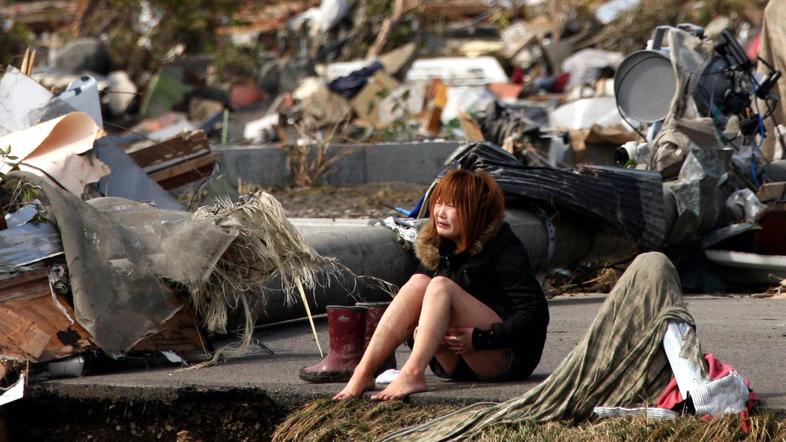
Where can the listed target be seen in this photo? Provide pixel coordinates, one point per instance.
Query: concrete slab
(748, 333)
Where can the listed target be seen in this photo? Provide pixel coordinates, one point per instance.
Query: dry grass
(361, 420)
(265, 245)
(583, 281)
(355, 420)
(764, 427)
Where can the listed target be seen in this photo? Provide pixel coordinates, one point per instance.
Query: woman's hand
(459, 340)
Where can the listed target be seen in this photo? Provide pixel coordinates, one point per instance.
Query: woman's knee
(440, 286)
(419, 281)
(413, 289)
(441, 283)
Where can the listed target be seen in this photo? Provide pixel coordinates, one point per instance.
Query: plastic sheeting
(698, 200)
(584, 65)
(466, 99)
(582, 114)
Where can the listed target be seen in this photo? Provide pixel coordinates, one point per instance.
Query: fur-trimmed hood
(428, 252)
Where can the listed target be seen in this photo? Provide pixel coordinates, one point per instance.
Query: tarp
(773, 40)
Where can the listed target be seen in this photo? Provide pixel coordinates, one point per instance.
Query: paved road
(748, 333)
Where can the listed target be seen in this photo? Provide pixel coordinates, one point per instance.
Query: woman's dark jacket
(495, 269)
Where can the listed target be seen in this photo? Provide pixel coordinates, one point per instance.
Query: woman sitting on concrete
(479, 311)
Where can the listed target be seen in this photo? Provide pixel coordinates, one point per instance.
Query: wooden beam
(24, 284)
(185, 172)
(179, 146)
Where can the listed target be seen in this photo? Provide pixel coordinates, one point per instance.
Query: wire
(625, 119)
(45, 173)
(762, 135)
(777, 128)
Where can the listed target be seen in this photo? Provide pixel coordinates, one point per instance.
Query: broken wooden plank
(454, 9)
(26, 299)
(179, 334)
(182, 146)
(24, 285)
(41, 15)
(21, 337)
(470, 127)
(267, 16)
(64, 337)
(185, 172)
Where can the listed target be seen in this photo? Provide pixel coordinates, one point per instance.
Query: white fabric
(687, 374)
(386, 377)
(728, 394)
(649, 412)
(725, 395)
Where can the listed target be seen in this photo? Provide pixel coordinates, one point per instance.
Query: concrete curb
(266, 165)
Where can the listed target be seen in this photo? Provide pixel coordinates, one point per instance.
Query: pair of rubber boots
(350, 329)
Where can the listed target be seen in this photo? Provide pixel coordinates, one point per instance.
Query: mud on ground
(238, 417)
(370, 200)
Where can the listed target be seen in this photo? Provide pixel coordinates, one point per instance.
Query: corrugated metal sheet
(29, 243)
(625, 199)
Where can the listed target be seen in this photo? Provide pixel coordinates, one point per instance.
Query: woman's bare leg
(447, 359)
(444, 304)
(393, 328)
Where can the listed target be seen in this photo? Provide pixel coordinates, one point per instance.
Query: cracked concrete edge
(283, 398)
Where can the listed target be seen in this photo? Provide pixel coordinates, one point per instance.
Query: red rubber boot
(346, 329)
(375, 311)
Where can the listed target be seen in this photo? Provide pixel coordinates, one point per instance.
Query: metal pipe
(375, 251)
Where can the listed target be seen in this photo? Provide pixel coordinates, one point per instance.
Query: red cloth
(717, 369)
(562, 82)
(754, 47)
(518, 75)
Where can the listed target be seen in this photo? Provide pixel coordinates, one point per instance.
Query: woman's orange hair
(478, 200)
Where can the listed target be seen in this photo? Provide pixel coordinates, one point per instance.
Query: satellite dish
(644, 86)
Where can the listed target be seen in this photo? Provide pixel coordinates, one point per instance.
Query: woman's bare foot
(405, 384)
(354, 388)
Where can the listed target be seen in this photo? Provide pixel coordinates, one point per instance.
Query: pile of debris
(83, 274)
(666, 146)
(535, 79)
